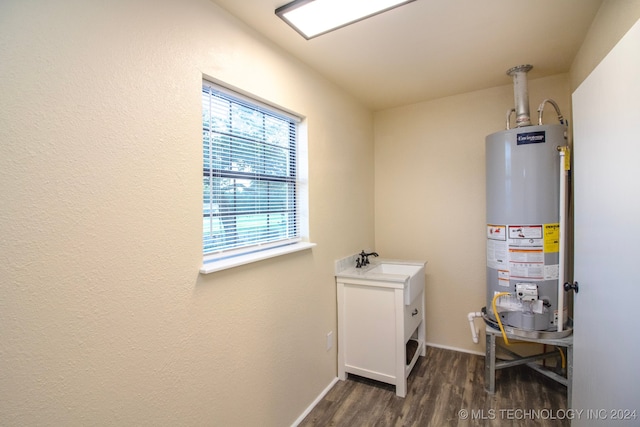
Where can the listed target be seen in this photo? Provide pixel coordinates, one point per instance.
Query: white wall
(105, 318)
(430, 195)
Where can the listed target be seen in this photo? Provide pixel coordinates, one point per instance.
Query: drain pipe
(474, 331)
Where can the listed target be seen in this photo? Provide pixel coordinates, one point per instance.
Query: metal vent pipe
(521, 94)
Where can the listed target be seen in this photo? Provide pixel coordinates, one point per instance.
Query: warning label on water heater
(526, 256)
(518, 251)
(525, 235)
(551, 237)
(497, 250)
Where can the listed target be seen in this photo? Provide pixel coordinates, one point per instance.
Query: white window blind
(249, 175)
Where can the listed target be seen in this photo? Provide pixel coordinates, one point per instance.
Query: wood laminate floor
(446, 388)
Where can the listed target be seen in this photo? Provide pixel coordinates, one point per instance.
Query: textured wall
(105, 318)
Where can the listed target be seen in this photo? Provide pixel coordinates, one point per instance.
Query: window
(251, 206)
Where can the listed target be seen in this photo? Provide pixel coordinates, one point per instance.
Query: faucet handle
(364, 258)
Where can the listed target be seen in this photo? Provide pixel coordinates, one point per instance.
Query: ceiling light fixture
(312, 18)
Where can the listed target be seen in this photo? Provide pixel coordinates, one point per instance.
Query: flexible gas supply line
(495, 312)
(564, 360)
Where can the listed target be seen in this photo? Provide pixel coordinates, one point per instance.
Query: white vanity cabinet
(376, 321)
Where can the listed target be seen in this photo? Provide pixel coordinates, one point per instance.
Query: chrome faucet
(364, 258)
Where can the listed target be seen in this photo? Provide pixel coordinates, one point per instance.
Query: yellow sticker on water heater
(551, 238)
(567, 157)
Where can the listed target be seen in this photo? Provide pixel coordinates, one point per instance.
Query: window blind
(249, 175)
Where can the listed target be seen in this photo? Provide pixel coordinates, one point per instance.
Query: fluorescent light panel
(312, 18)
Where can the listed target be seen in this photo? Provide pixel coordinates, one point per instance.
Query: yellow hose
(495, 313)
(564, 360)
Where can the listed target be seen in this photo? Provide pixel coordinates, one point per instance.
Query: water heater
(524, 205)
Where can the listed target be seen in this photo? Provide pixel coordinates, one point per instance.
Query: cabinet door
(370, 322)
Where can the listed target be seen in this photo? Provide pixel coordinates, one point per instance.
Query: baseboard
(462, 350)
(315, 402)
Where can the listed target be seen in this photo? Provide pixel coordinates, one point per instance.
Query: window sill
(224, 264)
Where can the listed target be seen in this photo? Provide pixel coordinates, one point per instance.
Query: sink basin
(393, 273)
(411, 274)
(388, 268)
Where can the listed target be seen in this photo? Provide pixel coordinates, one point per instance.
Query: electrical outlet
(329, 340)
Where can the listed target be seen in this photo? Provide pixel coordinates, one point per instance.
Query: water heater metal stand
(491, 362)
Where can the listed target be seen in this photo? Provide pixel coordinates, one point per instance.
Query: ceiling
(429, 49)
